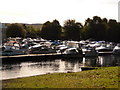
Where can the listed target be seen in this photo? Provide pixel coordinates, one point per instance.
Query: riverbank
(105, 77)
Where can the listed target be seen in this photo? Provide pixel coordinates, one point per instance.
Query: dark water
(31, 68)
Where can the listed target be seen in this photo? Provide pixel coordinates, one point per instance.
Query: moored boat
(13, 48)
(72, 53)
(90, 52)
(116, 50)
(103, 48)
(40, 49)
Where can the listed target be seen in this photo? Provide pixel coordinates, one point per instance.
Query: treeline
(96, 28)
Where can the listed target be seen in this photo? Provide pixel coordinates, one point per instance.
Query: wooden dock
(43, 55)
(35, 57)
(29, 57)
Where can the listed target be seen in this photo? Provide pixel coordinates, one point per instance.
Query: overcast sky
(40, 11)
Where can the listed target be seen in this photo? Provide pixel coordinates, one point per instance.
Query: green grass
(106, 77)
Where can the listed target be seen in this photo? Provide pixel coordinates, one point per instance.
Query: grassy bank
(106, 77)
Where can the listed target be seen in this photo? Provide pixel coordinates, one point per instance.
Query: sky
(40, 11)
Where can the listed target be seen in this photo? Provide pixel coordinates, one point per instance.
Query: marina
(59, 44)
(20, 57)
(18, 47)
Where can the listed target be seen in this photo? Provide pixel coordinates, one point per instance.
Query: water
(39, 67)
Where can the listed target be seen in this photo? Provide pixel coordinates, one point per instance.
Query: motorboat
(12, 48)
(116, 50)
(94, 45)
(61, 48)
(41, 49)
(103, 48)
(72, 53)
(90, 52)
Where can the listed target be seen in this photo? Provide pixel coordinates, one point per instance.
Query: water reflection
(90, 61)
(37, 67)
(108, 60)
(102, 61)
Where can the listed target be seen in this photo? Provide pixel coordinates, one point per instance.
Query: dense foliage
(30, 31)
(51, 30)
(15, 30)
(96, 28)
(72, 30)
(101, 29)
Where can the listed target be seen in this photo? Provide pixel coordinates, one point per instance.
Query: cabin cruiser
(61, 48)
(72, 53)
(116, 49)
(40, 49)
(94, 45)
(12, 48)
(73, 50)
(103, 48)
(90, 52)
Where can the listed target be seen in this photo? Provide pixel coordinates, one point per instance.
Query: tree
(45, 31)
(113, 31)
(72, 29)
(87, 31)
(15, 30)
(51, 30)
(56, 29)
(95, 28)
(31, 32)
